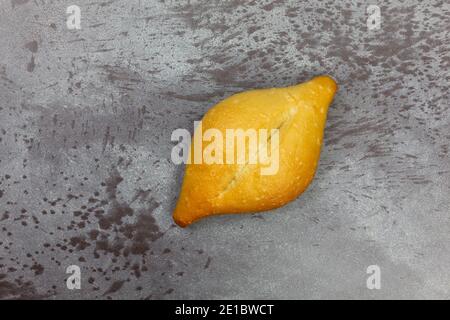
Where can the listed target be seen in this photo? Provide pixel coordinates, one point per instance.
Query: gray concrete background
(85, 170)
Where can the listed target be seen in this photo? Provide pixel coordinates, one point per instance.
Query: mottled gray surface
(85, 171)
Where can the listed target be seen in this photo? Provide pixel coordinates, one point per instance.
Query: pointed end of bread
(181, 217)
(187, 212)
(326, 82)
(181, 223)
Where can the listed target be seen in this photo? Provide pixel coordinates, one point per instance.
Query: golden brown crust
(299, 112)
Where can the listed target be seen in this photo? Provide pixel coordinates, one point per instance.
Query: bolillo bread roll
(293, 119)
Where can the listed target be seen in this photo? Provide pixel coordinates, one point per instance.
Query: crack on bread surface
(239, 173)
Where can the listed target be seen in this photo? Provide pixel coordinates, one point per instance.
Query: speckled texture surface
(85, 171)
